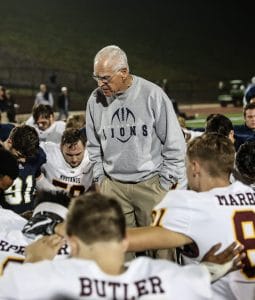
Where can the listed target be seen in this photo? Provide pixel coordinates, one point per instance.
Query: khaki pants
(137, 201)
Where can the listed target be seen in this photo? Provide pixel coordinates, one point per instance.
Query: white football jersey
(51, 134)
(12, 241)
(30, 121)
(145, 278)
(222, 215)
(75, 180)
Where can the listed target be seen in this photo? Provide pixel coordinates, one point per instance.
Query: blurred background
(192, 44)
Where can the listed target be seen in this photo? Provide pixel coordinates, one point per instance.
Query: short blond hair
(93, 217)
(215, 152)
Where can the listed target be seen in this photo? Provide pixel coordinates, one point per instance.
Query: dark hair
(25, 139)
(73, 136)
(209, 117)
(94, 217)
(219, 124)
(245, 162)
(248, 106)
(9, 164)
(250, 94)
(59, 197)
(42, 110)
(215, 151)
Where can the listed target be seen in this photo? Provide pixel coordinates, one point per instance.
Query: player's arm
(41, 181)
(43, 184)
(146, 238)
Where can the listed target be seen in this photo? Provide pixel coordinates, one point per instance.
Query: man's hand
(230, 259)
(234, 253)
(45, 248)
(60, 229)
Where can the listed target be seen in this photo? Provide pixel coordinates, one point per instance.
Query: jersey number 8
(244, 223)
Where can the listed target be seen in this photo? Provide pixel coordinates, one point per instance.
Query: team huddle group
(123, 207)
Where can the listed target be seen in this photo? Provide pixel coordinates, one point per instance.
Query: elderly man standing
(134, 138)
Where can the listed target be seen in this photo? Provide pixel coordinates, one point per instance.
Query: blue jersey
(242, 135)
(19, 197)
(5, 130)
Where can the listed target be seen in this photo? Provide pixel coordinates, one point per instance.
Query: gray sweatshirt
(135, 135)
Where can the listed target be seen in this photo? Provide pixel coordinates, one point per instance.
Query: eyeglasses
(105, 79)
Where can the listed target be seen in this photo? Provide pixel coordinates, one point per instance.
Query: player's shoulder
(144, 267)
(49, 146)
(234, 188)
(60, 125)
(10, 220)
(37, 160)
(86, 164)
(151, 263)
(5, 130)
(52, 151)
(74, 265)
(178, 197)
(57, 127)
(41, 156)
(30, 121)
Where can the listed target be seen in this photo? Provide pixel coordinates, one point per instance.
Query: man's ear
(74, 245)
(124, 73)
(125, 244)
(195, 167)
(60, 229)
(52, 118)
(231, 136)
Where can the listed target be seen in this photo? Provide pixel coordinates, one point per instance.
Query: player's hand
(60, 229)
(45, 248)
(230, 259)
(233, 253)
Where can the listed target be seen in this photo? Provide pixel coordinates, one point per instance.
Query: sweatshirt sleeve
(173, 143)
(93, 143)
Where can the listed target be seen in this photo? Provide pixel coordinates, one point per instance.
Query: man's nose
(100, 82)
(74, 159)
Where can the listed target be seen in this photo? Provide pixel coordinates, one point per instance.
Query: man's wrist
(168, 184)
(217, 270)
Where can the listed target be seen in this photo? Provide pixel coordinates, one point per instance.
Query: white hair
(114, 56)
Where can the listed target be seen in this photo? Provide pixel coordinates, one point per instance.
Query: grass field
(236, 118)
